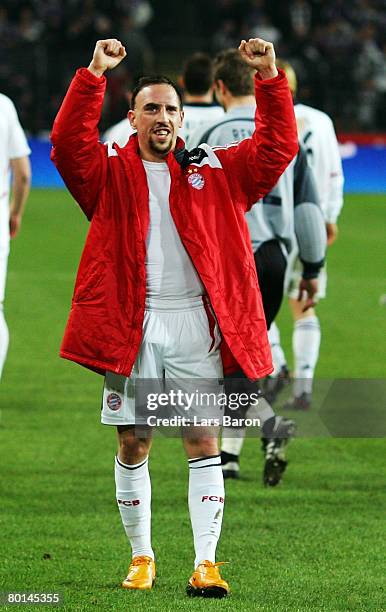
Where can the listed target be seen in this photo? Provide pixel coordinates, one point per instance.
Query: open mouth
(162, 133)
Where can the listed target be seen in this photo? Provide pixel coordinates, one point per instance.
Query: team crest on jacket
(113, 401)
(195, 179)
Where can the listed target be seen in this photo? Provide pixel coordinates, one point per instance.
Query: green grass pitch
(314, 543)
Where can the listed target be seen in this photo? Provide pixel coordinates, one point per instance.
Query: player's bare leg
(133, 449)
(133, 489)
(206, 507)
(306, 344)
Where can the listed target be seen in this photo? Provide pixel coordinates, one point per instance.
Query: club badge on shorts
(195, 179)
(113, 401)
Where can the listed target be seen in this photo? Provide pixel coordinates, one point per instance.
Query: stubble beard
(161, 149)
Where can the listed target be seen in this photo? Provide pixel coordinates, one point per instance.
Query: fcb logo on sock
(113, 401)
(196, 180)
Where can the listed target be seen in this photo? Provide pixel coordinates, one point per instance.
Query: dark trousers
(271, 266)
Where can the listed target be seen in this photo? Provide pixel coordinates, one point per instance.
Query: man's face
(157, 118)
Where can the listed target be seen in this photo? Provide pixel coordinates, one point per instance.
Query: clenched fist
(260, 55)
(107, 55)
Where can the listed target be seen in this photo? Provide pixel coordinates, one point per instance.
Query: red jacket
(104, 330)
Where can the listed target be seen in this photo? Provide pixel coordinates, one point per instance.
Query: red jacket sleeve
(256, 163)
(77, 153)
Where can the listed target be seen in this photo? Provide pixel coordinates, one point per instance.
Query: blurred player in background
(290, 209)
(155, 284)
(316, 132)
(197, 84)
(14, 152)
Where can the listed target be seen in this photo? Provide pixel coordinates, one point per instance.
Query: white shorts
(180, 345)
(294, 275)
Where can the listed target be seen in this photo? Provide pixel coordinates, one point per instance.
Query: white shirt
(316, 132)
(13, 144)
(196, 115)
(170, 273)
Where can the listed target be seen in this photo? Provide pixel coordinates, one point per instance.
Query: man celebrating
(166, 268)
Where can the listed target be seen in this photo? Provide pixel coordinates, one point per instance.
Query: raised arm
(77, 153)
(256, 163)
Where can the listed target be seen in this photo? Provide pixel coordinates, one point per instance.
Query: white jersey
(13, 144)
(196, 115)
(119, 133)
(170, 273)
(317, 134)
(291, 208)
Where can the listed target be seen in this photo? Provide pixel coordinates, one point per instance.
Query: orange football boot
(207, 582)
(141, 574)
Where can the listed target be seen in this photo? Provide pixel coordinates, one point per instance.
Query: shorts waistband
(179, 305)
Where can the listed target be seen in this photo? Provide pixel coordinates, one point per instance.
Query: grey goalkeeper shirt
(291, 211)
